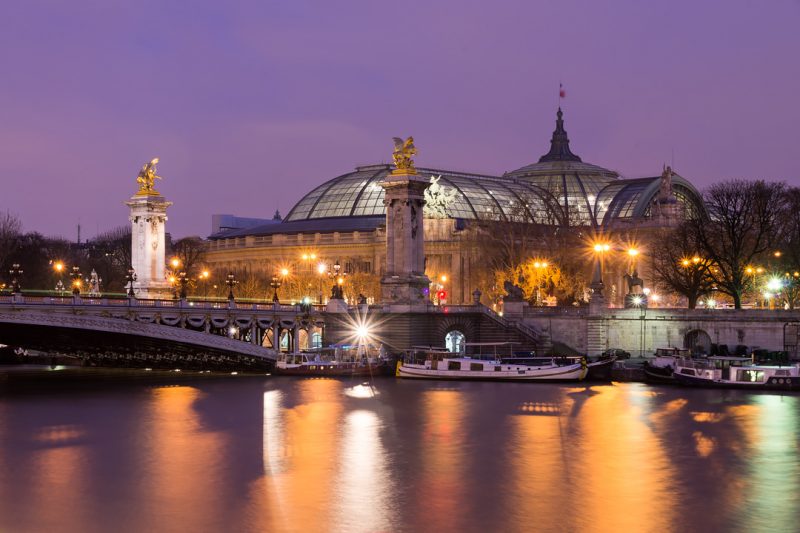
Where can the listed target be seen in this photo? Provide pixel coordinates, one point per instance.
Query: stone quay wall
(637, 331)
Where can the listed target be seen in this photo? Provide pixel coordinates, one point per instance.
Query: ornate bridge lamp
(183, 281)
(76, 281)
(337, 291)
(58, 268)
(15, 272)
(230, 281)
(130, 277)
(275, 283)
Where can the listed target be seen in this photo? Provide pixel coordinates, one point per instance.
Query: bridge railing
(152, 303)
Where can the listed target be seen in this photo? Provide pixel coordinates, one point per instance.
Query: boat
(659, 369)
(443, 364)
(334, 361)
(598, 368)
(736, 372)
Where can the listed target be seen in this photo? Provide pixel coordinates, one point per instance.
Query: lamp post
(76, 281)
(641, 304)
(541, 270)
(130, 277)
(275, 283)
(600, 248)
(322, 269)
(204, 275)
(230, 281)
(58, 268)
(16, 273)
(183, 281)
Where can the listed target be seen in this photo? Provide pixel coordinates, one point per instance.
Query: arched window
(454, 341)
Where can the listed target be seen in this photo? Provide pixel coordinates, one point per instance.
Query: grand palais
(342, 222)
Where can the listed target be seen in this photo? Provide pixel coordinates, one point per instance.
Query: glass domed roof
(559, 189)
(574, 184)
(475, 196)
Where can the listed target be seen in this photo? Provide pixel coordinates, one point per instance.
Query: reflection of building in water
(344, 219)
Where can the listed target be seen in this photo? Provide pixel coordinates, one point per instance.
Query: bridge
(226, 334)
(163, 333)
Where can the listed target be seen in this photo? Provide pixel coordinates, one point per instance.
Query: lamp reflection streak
(442, 461)
(363, 482)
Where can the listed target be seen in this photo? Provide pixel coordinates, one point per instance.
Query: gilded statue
(403, 150)
(147, 177)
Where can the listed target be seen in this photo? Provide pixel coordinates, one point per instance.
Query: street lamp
(230, 281)
(640, 303)
(338, 280)
(76, 281)
(275, 283)
(16, 273)
(540, 266)
(183, 281)
(600, 248)
(130, 277)
(322, 269)
(204, 275)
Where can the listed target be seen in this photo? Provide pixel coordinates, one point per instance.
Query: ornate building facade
(343, 221)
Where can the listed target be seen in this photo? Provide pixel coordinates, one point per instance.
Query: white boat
(659, 369)
(736, 372)
(334, 361)
(441, 364)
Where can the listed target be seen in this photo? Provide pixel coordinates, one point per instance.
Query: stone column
(148, 247)
(404, 287)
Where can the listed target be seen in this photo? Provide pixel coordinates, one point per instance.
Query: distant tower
(148, 247)
(405, 284)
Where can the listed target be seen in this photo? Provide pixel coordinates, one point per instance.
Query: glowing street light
(602, 247)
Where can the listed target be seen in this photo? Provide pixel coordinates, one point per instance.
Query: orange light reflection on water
(442, 459)
(180, 478)
(620, 472)
(537, 466)
(301, 449)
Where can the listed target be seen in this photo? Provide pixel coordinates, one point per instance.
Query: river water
(283, 454)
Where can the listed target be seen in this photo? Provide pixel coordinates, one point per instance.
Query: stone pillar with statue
(148, 218)
(405, 286)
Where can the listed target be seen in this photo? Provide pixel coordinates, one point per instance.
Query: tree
(741, 225)
(507, 248)
(10, 232)
(678, 266)
(788, 259)
(109, 254)
(191, 252)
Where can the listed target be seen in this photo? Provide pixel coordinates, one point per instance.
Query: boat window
(498, 368)
(453, 365)
(752, 376)
(687, 371)
(476, 367)
(454, 341)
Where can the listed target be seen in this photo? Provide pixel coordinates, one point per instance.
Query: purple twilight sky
(250, 104)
